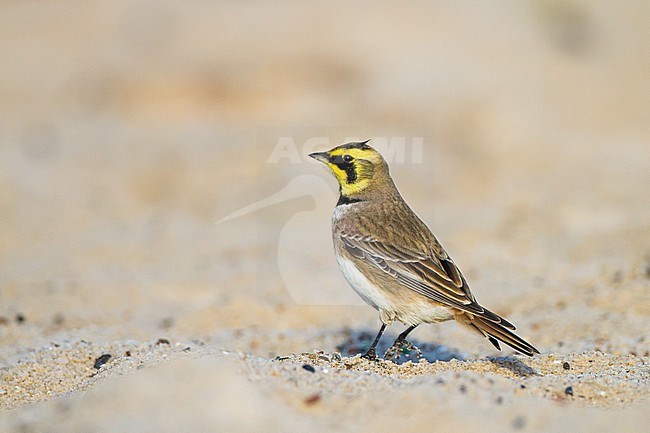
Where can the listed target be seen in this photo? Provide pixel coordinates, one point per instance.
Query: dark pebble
(463, 389)
(499, 400)
(309, 368)
(20, 318)
(522, 386)
(312, 399)
(127, 353)
(566, 366)
(162, 341)
(99, 362)
(569, 391)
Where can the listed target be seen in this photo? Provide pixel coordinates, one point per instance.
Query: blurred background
(130, 128)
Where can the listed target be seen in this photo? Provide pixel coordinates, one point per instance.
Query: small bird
(391, 258)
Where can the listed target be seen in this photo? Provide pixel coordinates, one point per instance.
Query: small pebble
(309, 368)
(312, 399)
(4, 320)
(20, 318)
(569, 391)
(463, 389)
(99, 362)
(566, 366)
(127, 353)
(162, 341)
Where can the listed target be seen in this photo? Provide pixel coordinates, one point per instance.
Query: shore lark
(391, 258)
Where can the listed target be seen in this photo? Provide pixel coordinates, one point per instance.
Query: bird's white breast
(340, 211)
(412, 313)
(364, 288)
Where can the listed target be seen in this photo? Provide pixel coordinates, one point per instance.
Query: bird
(391, 258)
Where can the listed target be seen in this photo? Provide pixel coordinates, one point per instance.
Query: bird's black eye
(347, 158)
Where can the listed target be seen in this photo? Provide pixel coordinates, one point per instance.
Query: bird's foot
(403, 347)
(370, 355)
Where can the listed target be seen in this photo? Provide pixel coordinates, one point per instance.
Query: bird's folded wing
(423, 272)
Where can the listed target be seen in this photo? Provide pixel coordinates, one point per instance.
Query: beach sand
(130, 301)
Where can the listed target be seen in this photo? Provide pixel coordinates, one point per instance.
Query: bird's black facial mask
(346, 165)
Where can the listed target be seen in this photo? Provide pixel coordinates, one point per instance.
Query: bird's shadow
(357, 342)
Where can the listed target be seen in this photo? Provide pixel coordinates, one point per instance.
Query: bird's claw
(370, 355)
(402, 347)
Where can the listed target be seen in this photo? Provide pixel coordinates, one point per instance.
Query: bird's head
(358, 168)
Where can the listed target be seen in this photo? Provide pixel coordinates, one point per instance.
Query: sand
(134, 141)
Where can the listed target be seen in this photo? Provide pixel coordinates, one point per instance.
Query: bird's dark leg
(371, 354)
(395, 350)
(402, 337)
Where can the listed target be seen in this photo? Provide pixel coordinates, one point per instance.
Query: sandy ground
(130, 134)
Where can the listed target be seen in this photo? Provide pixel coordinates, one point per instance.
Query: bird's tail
(496, 332)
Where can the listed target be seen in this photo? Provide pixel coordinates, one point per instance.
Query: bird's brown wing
(429, 272)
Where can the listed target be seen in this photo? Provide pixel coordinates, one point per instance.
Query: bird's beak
(320, 156)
